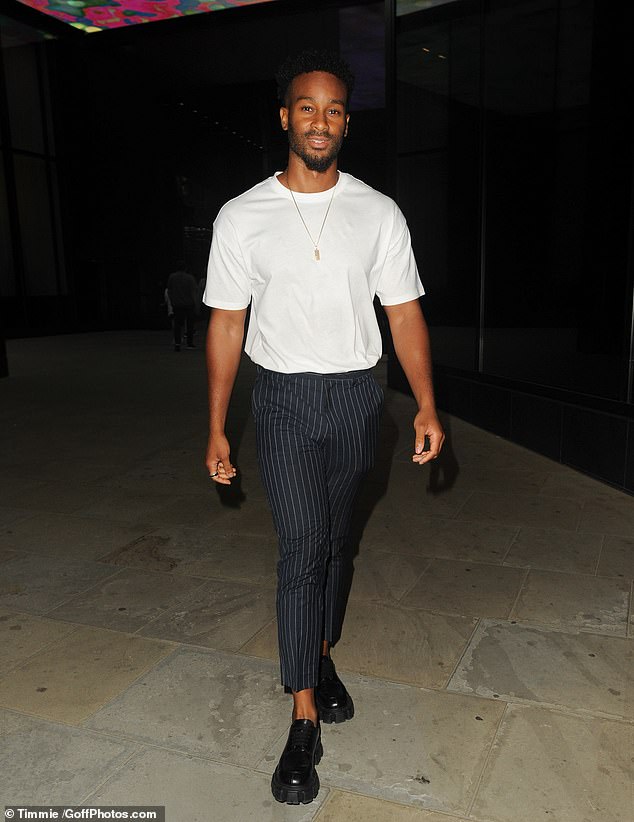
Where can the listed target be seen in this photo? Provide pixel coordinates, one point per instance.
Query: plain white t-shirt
(307, 314)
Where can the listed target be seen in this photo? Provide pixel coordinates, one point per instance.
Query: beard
(314, 161)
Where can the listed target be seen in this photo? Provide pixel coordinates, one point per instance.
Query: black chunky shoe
(334, 703)
(295, 779)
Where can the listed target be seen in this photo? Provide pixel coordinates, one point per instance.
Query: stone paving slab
(197, 790)
(68, 536)
(581, 671)
(441, 538)
(37, 583)
(522, 510)
(407, 745)
(383, 577)
(208, 703)
(22, 635)
(617, 558)
(44, 763)
(220, 614)
(550, 765)
(353, 807)
(6, 554)
(202, 552)
(574, 601)
(551, 549)
(466, 589)
(69, 680)
(388, 642)
(609, 516)
(129, 600)
(9, 515)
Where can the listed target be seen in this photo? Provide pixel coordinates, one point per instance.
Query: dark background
(502, 127)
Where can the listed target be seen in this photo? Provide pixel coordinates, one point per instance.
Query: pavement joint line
(600, 555)
(165, 611)
(261, 630)
(336, 789)
(116, 572)
(487, 759)
(410, 588)
(568, 628)
(16, 666)
(520, 588)
(134, 753)
(464, 651)
(512, 542)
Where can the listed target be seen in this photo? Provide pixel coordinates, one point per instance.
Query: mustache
(323, 135)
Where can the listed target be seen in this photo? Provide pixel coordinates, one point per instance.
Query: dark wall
(155, 127)
(515, 170)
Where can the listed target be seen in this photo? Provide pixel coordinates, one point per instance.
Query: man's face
(315, 118)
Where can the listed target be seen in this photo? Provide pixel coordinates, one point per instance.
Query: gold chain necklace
(316, 253)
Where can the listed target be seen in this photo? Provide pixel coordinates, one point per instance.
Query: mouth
(317, 142)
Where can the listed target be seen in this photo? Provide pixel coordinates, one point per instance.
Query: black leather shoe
(334, 703)
(295, 779)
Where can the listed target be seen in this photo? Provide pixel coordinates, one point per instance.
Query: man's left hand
(427, 424)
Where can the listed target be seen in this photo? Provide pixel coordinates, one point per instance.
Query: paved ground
(486, 642)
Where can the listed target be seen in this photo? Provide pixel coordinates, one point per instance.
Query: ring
(214, 475)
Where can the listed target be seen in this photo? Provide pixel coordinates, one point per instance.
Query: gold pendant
(317, 256)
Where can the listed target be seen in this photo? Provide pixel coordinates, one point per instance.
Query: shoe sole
(336, 715)
(296, 795)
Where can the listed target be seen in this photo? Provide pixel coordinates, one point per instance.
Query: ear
(284, 118)
(345, 133)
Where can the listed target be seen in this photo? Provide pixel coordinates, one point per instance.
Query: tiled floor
(488, 644)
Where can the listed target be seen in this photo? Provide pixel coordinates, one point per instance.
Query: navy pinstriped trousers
(316, 438)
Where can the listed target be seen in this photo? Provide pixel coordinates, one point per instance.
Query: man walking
(308, 249)
(182, 291)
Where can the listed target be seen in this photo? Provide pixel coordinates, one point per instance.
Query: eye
(334, 111)
(307, 108)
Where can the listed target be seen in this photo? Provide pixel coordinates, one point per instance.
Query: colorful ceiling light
(96, 15)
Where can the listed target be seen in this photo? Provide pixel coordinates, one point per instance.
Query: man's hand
(427, 424)
(218, 460)
(223, 348)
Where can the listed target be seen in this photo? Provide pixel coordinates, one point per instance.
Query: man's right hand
(218, 460)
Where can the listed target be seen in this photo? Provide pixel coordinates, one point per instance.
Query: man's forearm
(412, 346)
(224, 348)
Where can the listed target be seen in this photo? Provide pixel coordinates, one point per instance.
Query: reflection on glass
(515, 175)
(438, 173)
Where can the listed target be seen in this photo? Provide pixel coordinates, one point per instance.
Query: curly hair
(313, 60)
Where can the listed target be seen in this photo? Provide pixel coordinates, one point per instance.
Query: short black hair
(313, 60)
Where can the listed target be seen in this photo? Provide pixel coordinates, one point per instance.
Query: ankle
(304, 706)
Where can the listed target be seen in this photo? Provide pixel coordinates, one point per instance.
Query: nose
(319, 121)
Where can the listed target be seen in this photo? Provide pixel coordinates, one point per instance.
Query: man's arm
(224, 348)
(411, 343)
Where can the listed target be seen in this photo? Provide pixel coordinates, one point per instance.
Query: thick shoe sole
(329, 715)
(298, 794)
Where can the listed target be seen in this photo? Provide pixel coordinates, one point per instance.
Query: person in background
(182, 290)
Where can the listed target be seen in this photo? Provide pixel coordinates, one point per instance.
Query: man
(182, 292)
(309, 248)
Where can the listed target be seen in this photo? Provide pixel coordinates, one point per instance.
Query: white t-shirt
(308, 314)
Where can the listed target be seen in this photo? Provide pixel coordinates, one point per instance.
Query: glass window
(438, 117)
(7, 274)
(35, 226)
(515, 173)
(23, 97)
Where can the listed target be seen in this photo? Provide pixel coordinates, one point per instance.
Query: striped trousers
(316, 438)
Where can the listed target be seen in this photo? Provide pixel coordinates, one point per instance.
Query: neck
(304, 180)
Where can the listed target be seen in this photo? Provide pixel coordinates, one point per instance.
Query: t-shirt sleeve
(228, 283)
(399, 281)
